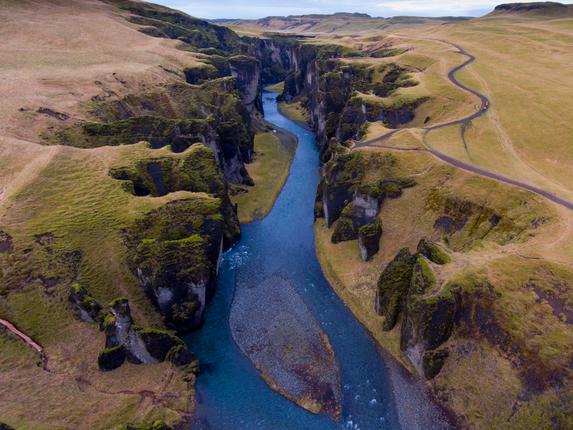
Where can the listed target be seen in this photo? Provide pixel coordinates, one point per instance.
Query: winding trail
(464, 122)
(28, 340)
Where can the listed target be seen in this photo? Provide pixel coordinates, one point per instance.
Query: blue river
(376, 392)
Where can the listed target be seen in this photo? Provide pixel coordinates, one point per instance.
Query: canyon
(394, 275)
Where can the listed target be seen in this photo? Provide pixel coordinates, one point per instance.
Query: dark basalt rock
(86, 307)
(159, 343)
(125, 341)
(393, 287)
(429, 323)
(432, 252)
(433, 361)
(344, 230)
(111, 358)
(247, 72)
(428, 318)
(369, 240)
(180, 355)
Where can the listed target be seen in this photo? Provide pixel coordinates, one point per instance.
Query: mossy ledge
(175, 252)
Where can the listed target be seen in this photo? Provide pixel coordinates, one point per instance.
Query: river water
(376, 392)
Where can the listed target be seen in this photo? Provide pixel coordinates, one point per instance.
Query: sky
(250, 9)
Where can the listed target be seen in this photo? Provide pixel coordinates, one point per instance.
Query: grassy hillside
(90, 74)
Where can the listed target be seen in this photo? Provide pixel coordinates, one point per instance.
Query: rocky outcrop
(178, 116)
(349, 199)
(333, 91)
(369, 240)
(408, 287)
(393, 287)
(247, 72)
(175, 252)
(428, 318)
(432, 252)
(86, 307)
(125, 341)
(196, 172)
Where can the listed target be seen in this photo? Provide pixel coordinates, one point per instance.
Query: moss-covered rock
(423, 279)
(432, 252)
(198, 75)
(433, 361)
(160, 342)
(344, 230)
(86, 307)
(428, 322)
(180, 355)
(393, 286)
(177, 115)
(196, 172)
(369, 240)
(175, 252)
(111, 358)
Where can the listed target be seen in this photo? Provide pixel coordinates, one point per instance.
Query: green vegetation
(432, 252)
(111, 358)
(269, 171)
(295, 112)
(174, 247)
(393, 286)
(155, 425)
(160, 21)
(369, 239)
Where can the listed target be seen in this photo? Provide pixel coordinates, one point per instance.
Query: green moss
(423, 279)
(186, 237)
(155, 425)
(433, 361)
(432, 252)
(369, 237)
(111, 358)
(344, 230)
(393, 286)
(430, 319)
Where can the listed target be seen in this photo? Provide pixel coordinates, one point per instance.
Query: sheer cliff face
(330, 88)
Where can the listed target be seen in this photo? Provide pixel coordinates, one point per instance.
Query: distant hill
(342, 22)
(537, 9)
